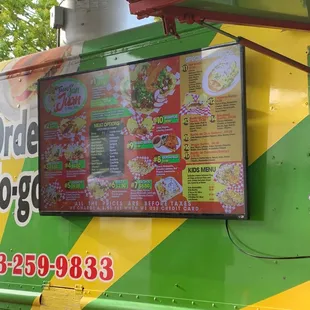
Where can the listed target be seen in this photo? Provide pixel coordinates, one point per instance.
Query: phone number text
(29, 265)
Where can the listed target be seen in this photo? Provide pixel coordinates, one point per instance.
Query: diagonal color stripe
(296, 298)
(110, 235)
(14, 168)
(277, 98)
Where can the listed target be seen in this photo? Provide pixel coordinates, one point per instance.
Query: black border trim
(244, 216)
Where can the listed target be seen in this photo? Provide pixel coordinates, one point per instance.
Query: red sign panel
(163, 137)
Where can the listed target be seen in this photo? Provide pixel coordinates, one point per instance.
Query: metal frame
(168, 8)
(169, 12)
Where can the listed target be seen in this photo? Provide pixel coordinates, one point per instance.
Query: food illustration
(52, 194)
(195, 100)
(168, 188)
(68, 126)
(196, 104)
(16, 92)
(53, 154)
(98, 188)
(140, 166)
(140, 128)
(230, 199)
(222, 75)
(160, 79)
(166, 143)
(148, 86)
(74, 152)
(229, 174)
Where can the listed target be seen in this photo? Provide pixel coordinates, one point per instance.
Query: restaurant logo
(65, 97)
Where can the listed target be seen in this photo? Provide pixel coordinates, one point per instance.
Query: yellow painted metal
(13, 167)
(296, 298)
(55, 298)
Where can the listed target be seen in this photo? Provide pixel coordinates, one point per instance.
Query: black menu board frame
(161, 214)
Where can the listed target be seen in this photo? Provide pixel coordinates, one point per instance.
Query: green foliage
(24, 27)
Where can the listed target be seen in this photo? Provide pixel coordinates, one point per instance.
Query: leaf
(24, 27)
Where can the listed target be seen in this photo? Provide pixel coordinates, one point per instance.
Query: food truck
(144, 171)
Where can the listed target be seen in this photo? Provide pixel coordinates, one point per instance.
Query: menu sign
(162, 137)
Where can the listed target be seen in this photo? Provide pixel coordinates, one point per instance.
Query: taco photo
(69, 126)
(148, 86)
(140, 128)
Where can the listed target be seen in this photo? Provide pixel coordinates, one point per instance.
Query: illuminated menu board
(163, 137)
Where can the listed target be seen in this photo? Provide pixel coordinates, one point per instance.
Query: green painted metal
(129, 305)
(18, 297)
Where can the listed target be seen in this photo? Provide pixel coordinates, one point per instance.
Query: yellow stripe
(277, 94)
(296, 298)
(14, 168)
(127, 241)
(36, 304)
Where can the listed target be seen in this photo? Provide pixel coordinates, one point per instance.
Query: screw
(176, 285)
(193, 303)
(213, 305)
(137, 297)
(120, 295)
(173, 300)
(155, 298)
(18, 106)
(115, 58)
(109, 253)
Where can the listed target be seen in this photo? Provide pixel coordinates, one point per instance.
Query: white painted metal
(90, 19)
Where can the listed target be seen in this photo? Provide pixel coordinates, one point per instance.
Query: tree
(24, 27)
